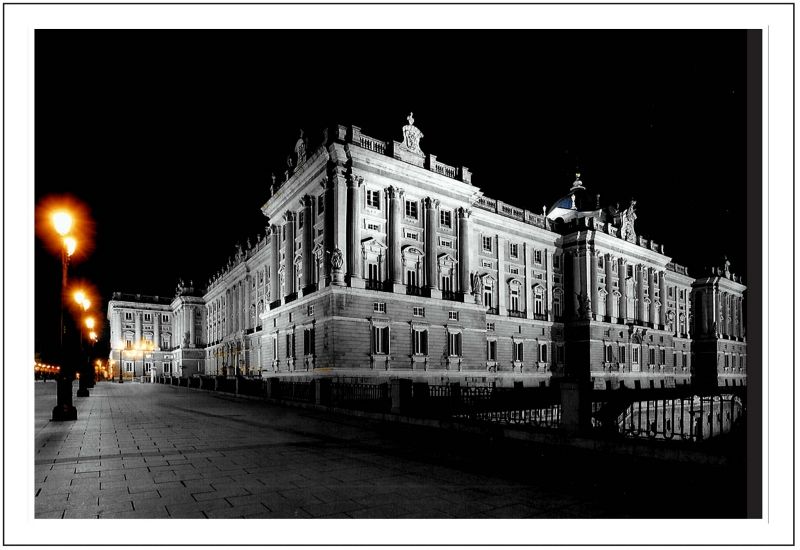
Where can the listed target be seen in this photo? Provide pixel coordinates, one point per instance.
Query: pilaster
(288, 253)
(274, 278)
(431, 279)
(354, 271)
(464, 250)
(622, 273)
(395, 196)
(502, 286)
(308, 241)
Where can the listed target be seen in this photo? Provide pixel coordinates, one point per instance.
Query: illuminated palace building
(380, 261)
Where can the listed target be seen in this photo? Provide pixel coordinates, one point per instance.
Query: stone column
(288, 253)
(247, 299)
(192, 339)
(686, 297)
(395, 196)
(431, 275)
(652, 293)
(275, 260)
(622, 273)
(464, 282)
(157, 330)
(308, 241)
(354, 270)
(662, 281)
(526, 262)
(610, 287)
(548, 290)
(339, 217)
(137, 327)
(502, 287)
(592, 259)
(640, 292)
(576, 285)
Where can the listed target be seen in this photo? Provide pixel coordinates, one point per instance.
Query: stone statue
(289, 163)
(239, 252)
(249, 244)
(412, 135)
(727, 267)
(572, 198)
(300, 148)
(628, 218)
(272, 185)
(476, 283)
(336, 259)
(584, 307)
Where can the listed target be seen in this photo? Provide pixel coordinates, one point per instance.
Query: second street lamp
(64, 410)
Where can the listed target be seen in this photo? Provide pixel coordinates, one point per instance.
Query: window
(413, 235)
(487, 295)
(380, 340)
(419, 340)
(300, 220)
(490, 327)
(411, 278)
(630, 271)
(373, 226)
(609, 353)
(537, 256)
(165, 318)
(419, 312)
(284, 230)
(514, 298)
(411, 209)
(165, 341)
(274, 347)
(538, 301)
(147, 366)
(621, 352)
(614, 265)
(452, 315)
(543, 353)
(148, 317)
(601, 262)
(288, 344)
(128, 344)
(486, 263)
(128, 316)
(445, 242)
(635, 354)
(557, 261)
(487, 243)
(128, 366)
(447, 283)
(513, 250)
(515, 271)
(491, 350)
(557, 307)
(670, 294)
(454, 344)
(291, 316)
(373, 198)
(321, 204)
(663, 357)
(446, 218)
(310, 310)
(379, 307)
(652, 356)
(518, 349)
(167, 367)
(308, 341)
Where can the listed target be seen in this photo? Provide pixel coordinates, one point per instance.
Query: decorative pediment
(410, 250)
(602, 292)
(487, 279)
(446, 260)
(318, 251)
(372, 244)
(513, 281)
(539, 289)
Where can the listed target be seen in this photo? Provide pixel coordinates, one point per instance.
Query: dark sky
(169, 137)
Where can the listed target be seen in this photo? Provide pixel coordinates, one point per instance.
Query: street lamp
(84, 384)
(64, 410)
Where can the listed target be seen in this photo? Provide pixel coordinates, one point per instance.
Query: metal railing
(413, 290)
(356, 395)
(516, 313)
(451, 295)
(373, 284)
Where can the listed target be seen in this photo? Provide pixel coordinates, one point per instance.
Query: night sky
(169, 137)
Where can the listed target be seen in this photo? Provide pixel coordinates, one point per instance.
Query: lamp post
(64, 410)
(83, 302)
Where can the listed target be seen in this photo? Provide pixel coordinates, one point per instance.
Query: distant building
(380, 261)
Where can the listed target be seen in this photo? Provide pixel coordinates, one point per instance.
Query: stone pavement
(154, 451)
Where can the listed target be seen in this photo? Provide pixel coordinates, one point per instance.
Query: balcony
(540, 316)
(373, 284)
(451, 295)
(273, 305)
(413, 290)
(308, 289)
(290, 298)
(520, 314)
(492, 310)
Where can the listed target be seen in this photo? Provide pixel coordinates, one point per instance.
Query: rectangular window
(372, 272)
(291, 316)
(663, 357)
(411, 278)
(419, 312)
(128, 316)
(513, 270)
(557, 261)
(537, 256)
(486, 263)
(454, 344)
(373, 227)
(635, 355)
(413, 235)
(300, 220)
(147, 366)
(128, 366)
(167, 367)
(288, 345)
(630, 271)
(452, 315)
(148, 317)
(128, 344)
(373, 198)
(652, 356)
(601, 262)
(621, 352)
(310, 310)
(514, 299)
(275, 347)
(609, 353)
(447, 243)
(491, 350)
(380, 340)
(411, 209)
(518, 351)
(446, 218)
(420, 342)
(308, 341)
(379, 307)
(513, 250)
(321, 203)
(487, 243)
(543, 353)
(165, 318)
(490, 327)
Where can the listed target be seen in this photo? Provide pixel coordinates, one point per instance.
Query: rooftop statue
(412, 135)
(300, 148)
(628, 218)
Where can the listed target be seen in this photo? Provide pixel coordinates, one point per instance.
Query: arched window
(538, 300)
(558, 303)
(514, 295)
(615, 299)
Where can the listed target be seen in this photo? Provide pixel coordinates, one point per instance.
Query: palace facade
(378, 260)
